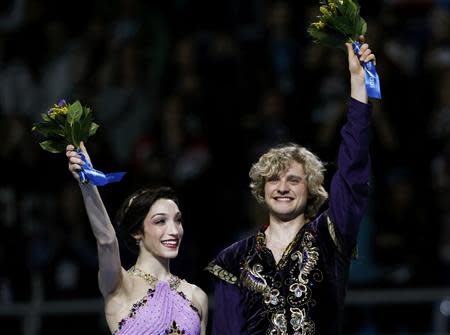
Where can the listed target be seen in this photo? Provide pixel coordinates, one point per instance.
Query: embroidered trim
(221, 273)
(291, 311)
(174, 329)
(151, 280)
(134, 308)
(143, 301)
(332, 230)
(191, 304)
(253, 279)
(301, 323)
(261, 245)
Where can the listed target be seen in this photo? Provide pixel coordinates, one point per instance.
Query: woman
(147, 298)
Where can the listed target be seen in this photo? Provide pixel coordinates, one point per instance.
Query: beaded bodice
(162, 311)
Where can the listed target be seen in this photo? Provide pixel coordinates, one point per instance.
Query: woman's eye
(160, 221)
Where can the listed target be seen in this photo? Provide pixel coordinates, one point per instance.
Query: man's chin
(286, 216)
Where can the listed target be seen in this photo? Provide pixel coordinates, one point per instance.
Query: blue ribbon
(371, 75)
(90, 175)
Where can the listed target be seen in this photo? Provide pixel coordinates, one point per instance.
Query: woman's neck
(157, 267)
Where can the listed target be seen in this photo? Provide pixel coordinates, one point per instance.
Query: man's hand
(358, 88)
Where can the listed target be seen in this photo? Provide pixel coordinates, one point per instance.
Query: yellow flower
(324, 10)
(318, 25)
(58, 109)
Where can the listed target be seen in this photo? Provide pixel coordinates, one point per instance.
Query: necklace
(151, 280)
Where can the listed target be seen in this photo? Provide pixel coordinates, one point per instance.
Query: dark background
(188, 94)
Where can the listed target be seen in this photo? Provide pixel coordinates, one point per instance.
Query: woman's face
(163, 230)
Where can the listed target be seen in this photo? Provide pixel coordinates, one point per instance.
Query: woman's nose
(172, 228)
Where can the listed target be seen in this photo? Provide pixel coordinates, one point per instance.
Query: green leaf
(84, 131)
(354, 34)
(45, 117)
(93, 128)
(84, 126)
(48, 129)
(68, 133)
(328, 39)
(75, 112)
(52, 146)
(352, 9)
(77, 134)
(60, 120)
(364, 27)
(360, 28)
(342, 24)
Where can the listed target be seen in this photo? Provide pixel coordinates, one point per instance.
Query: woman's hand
(75, 161)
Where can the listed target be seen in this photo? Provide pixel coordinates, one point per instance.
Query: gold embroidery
(261, 242)
(300, 322)
(332, 231)
(151, 280)
(273, 298)
(280, 324)
(221, 273)
(299, 296)
(253, 279)
(337, 243)
(312, 255)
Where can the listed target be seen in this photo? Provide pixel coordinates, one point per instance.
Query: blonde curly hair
(277, 160)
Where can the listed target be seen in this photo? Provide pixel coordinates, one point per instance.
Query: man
(291, 277)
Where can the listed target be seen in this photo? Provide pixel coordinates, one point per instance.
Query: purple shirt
(304, 293)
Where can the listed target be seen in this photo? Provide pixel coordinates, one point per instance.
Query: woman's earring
(138, 241)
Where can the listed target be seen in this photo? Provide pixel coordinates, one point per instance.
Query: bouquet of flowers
(65, 124)
(340, 23)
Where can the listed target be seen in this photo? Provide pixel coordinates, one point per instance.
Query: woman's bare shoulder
(196, 295)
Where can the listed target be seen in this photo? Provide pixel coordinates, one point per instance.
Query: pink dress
(162, 311)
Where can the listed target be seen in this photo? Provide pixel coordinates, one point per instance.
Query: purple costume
(304, 293)
(162, 311)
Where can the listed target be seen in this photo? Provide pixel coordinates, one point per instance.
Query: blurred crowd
(189, 93)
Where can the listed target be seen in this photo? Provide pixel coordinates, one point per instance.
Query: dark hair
(132, 212)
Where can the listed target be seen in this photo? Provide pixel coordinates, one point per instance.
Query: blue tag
(371, 75)
(95, 177)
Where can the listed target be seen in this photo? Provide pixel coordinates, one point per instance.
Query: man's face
(286, 194)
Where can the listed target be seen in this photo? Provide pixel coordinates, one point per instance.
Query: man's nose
(283, 187)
